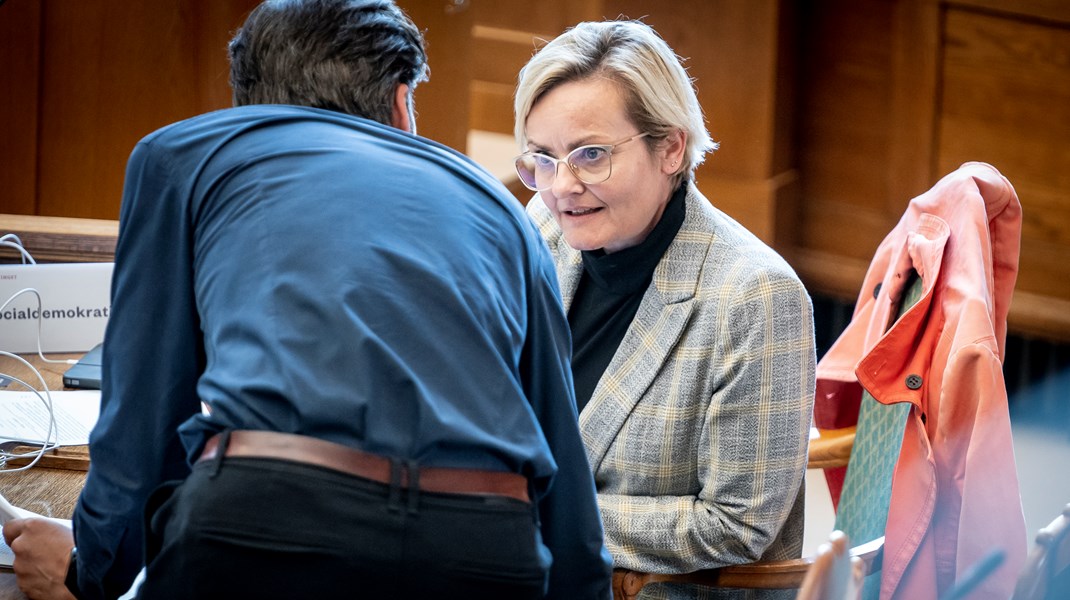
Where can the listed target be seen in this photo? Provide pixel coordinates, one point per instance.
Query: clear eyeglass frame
(590, 170)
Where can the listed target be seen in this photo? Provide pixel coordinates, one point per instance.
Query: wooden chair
(862, 512)
(869, 451)
(834, 574)
(767, 575)
(1046, 574)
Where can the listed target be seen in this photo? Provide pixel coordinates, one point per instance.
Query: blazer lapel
(569, 265)
(660, 321)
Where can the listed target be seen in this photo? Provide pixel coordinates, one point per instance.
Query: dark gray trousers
(265, 528)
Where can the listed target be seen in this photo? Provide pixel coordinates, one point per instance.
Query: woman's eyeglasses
(590, 164)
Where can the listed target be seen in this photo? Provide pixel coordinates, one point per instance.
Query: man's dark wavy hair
(343, 55)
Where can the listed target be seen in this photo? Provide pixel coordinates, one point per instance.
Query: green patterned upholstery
(867, 488)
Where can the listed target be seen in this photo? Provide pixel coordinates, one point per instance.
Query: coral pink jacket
(955, 489)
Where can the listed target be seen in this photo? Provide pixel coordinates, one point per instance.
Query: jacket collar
(674, 281)
(901, 355)
(663, 313)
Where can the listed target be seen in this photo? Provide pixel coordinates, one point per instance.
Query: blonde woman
(693, 349)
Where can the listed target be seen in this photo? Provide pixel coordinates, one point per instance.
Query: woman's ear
(401, 116)
(671, 152)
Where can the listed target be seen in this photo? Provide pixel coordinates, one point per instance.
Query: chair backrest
(1046, 574)
(835, 574)
(862, 512)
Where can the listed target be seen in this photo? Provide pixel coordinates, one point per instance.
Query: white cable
(51, 440)
(25, 255)
(12, 241)
(40, 321)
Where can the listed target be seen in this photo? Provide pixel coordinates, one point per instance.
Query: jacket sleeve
(975, 430)
(570, 524)
(152, 356)
(752, 449)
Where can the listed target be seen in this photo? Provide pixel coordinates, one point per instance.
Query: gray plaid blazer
(697, 433)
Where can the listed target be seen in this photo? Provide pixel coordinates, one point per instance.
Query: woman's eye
(542, 162)
(591, 154)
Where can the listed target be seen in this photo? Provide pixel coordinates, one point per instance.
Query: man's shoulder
(299, 126)
(242, 118)
(278, 128)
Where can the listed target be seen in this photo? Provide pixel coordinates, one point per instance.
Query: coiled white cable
(51, 438)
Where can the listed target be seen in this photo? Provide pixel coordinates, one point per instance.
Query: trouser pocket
(157, 511)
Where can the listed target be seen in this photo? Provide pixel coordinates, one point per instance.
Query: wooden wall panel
(212, 24)
(503, 39)
(896, 94)
(731, 58)
(546, 18)
(112, 73)
(845, 126)
(915, 79)
(20, 29)
(442, 102)
(736, 51)
(1005, 100)
(497, 57)
(1056, 11)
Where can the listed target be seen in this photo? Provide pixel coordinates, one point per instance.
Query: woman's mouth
(581, 212)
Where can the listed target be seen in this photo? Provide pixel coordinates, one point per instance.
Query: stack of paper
(24, 417)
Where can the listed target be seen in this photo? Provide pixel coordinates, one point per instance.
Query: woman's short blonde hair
(659, 95)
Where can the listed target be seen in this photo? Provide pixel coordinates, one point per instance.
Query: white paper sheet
(23, 417)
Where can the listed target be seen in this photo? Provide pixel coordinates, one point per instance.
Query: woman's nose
(565, 181)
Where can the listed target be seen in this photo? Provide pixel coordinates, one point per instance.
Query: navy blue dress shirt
(306, 271)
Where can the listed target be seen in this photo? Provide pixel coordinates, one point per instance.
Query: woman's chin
(583, 244)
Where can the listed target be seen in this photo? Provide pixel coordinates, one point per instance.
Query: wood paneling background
(895, 94)
(20, 49)
(94, 77)
(1005, 97)
(832, 114)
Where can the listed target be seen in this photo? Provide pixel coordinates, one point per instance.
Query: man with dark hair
(336, 363)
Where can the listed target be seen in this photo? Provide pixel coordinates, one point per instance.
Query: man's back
(373, 331)
(308, 272)
(335, 258)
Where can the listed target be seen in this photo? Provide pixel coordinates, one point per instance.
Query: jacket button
(914, 381)
(877, 290)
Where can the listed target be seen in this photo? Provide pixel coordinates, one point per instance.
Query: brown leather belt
(314, 451)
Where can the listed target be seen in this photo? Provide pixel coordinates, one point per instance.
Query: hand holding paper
(44, 555)
(10, 512)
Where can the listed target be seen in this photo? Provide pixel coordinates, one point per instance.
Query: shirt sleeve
(570, 524)
(974, 455)
(752, 449)
(152, 358)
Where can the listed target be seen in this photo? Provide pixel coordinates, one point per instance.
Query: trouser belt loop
(414, 485)
(221, 450)
(394, 502)
(534, 505)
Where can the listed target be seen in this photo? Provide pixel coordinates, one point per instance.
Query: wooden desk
(51, 488)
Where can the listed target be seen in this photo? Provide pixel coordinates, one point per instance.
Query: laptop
(86, 373)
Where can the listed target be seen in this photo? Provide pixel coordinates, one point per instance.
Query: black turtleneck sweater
(608, 296)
